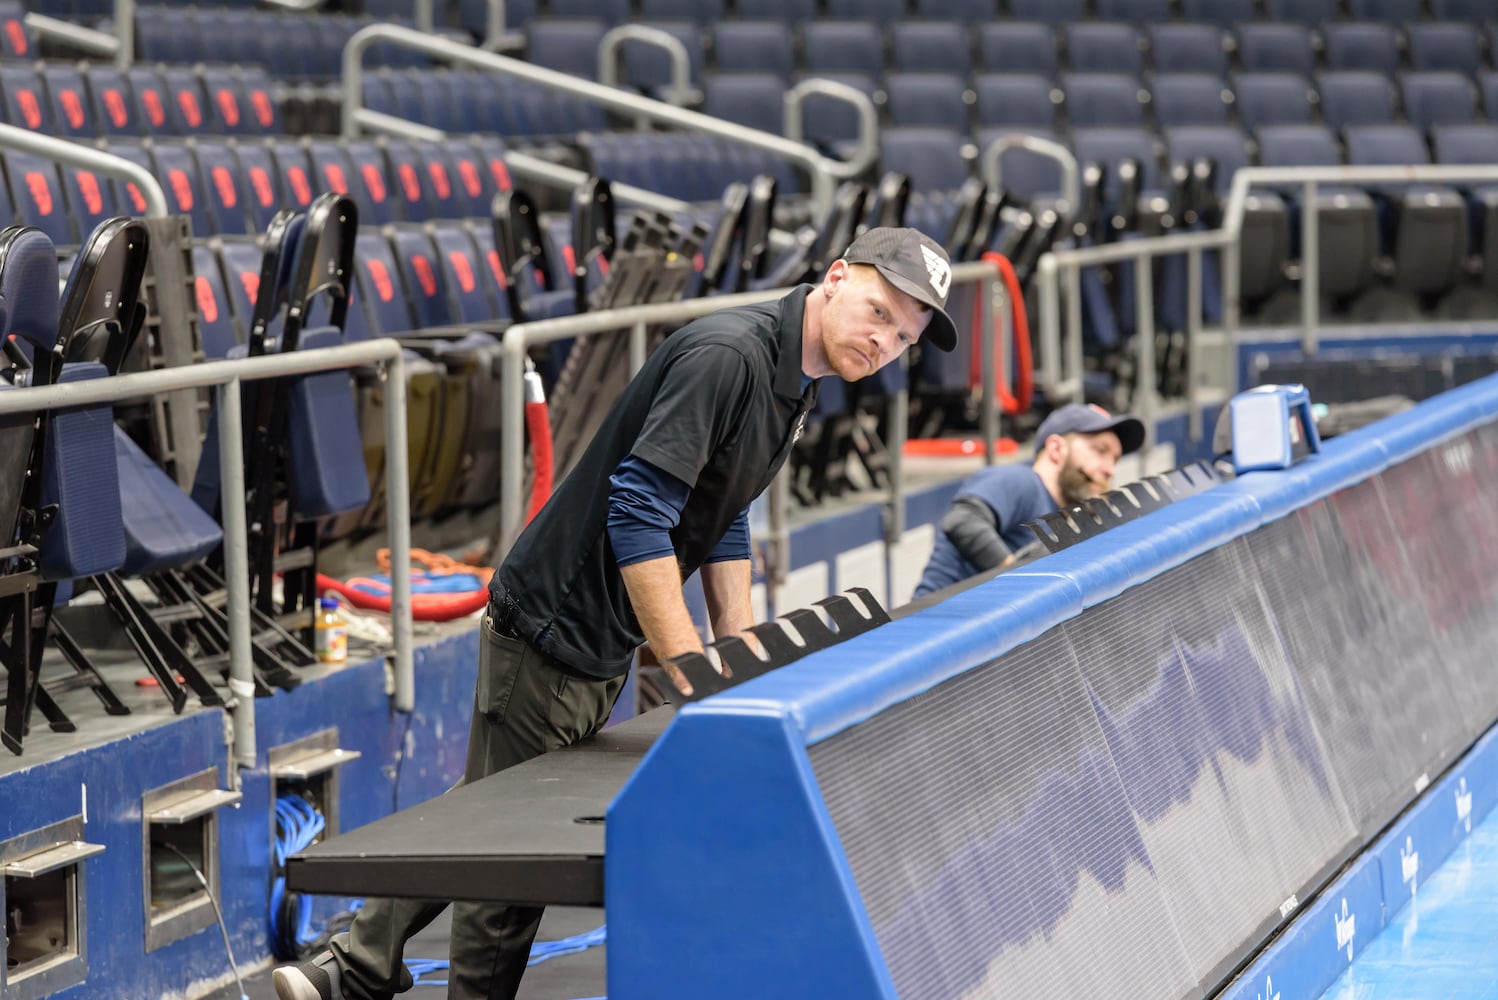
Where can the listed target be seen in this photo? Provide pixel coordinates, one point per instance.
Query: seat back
(102, 312)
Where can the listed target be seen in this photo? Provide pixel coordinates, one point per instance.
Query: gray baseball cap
(1076, 418)
(918, 266)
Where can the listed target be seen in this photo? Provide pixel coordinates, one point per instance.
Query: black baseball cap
(1077, 418)
(918, 266)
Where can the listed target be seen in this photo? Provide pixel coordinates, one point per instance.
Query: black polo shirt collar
(788, 377)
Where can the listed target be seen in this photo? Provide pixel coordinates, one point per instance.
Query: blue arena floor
(1445, 942)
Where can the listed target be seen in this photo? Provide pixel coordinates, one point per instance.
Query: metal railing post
(638, 346)
(1310, 268)
(398, 517)
(680, 90)
(991, 168)
(897, 411)
(1073, 348)
(1144, 384)
(237, 575)
(1194, 415)
(988, 422)
(1048, 295)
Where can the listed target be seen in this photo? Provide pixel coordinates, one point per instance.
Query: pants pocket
(500, 659)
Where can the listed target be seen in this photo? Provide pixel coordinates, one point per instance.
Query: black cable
(233, 966)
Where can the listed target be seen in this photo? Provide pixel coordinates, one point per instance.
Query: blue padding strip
(824, 693)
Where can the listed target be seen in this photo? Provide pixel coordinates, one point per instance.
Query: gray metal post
(1050, 323)
(780, 533)
(237, 574)
(637, 347)
(1000, 305)
(988, 423)
(511, 435)
(1310, 268)
(1231, 260)
(1074, 331)
(1144, 384)
(1193, 342)
(898, 413)
(398, 516)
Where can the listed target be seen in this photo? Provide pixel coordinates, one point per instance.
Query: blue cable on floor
(541, 951)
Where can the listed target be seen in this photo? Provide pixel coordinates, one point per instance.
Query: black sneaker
(314, 980)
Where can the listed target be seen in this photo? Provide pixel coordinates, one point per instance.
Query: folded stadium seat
(246, 31)
(1102, 99)
(1487, 83)
(1188, 99)
(1425, 225)
(1223, 12)
(475, 295)
(789, 11)
(1054, 11)
(293, 51)
(178, 173)
(828, 122)
(1018, 47)
(1459, 10)
(648, 67)
(1393, 11)
(229, 110)
(1475, 144)
(370, 183)
(260, 115)
(332, 171)
(15, 38)
(704, 11)
(448, 196)
(937, 100)
(111, 103)
(1438, 98)
(1113, 145)
(1103, 47)
(224, 36)
(26, 104)
(931, 47)
(70, 111)
(755, 100)
(262, 182)
(1136, 11)
(164, 35)
(1023, 100)
(298, 184)
(966, 11)
(1444, 45)
(569, 47)
(754, 47)
(842, 47)
(1188, 48)
(36, 192)
(187, 103)
(1361, 45)
(1355, 97)
(152, 101)
(1311, 12)
(225, 193)
(931, 157)
(217, 331)
(609, 11)
(91, 198)
(1276, 47)
(1026, 176)
(1348, 233)
(1272, 99)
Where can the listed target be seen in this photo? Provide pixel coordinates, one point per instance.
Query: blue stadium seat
(1355, 97)
(91, 197)
(1272, 99)
(608, 11)
(930, 157)
(1103, 47)
(262, 183)
(1024, 174)
(754, 47)
(829, 121)
(874, 10)
(777, 10)
(229, 112)
(216, 327)
(1284, 48)
(408, 180)
(931, 47)
(649, 68)
(751, 99)
(1305, 11)
(130, 198)
(1362, 45)
(1475, 144)
(1460, 10)
(1015, 99)
(1188, 99)
(566, 46)
(164, 35)
(298, 184)
(1487, 83)
(1137, 11)
(15, 38)
(1393, 11)
(36, 192)
(930, 99)
(1102, 99)
(1188, 48)
(426, 291)
(370, 183)
(71, 113)
(263, 116)
(1223, 12)
(1017, 47)
(225, 193)
(332, 171)
(702, 11)
(241, 272)
(380, 285)
(178, 173)
(152, 101)
(465, 274)
(1114, 145)
(967, 11)
(187, 104)
(1054, 11)
(112, 104)
(490, 151)
(26, 104)
(842, 47)
(1226, 145)
(1444, 45)
(1438, 98)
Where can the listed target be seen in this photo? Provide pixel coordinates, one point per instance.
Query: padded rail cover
(1114, 772)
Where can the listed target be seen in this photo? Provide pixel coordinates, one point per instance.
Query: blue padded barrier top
(1263, 675)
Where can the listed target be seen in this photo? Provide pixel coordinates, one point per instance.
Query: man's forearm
(725, 586)
(654, 588)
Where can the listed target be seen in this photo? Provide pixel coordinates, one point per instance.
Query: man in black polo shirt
(662, 492)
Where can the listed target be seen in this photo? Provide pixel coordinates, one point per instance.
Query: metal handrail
(227, 376)
(1064, 381)
(519, 338)
(119, 46)
(78, 155)
(680, 90)
(1071, 189)
(824, 171)
(794, 114)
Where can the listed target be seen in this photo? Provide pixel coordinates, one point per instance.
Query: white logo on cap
(939, 271)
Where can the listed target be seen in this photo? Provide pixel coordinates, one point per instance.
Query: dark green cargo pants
(525, 705)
